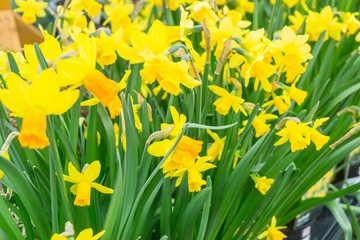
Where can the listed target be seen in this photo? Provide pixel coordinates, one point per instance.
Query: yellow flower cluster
(334, 23)
(300, 135)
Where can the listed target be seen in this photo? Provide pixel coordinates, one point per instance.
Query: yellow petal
(62, 102)
(288, 35)
(74, 174)
(99, 235)
(102, 189)
(219, 91)
(160, 149)
(68, 70)
(69, 179)
(90, 102)
(85, 234)
(92, 171)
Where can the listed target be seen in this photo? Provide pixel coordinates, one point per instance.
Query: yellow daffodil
(282, 103)
(295, 93)
(118, 14)
(105, 90)
(194, 169)
(33, 102)
(316, 23)
(244, 6)
(253, 43)
(179, 121)
(351, 23)
(237, 19)
(228, 27)
(263, 184)
(200, 10)
(174, 4)
(106, 46)
(259, 123)
(298, 134)
(260, 69)
(92, 7)
(216, 149)
(74, 21)
(297, 20)
(51, 51)
(292, 52)
(84, 182)
(148, 46)
(226, 101)
(31, 9)
(273, 233)
(173, 162)
(168, 74)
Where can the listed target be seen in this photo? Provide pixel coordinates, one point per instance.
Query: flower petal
(101, 188)
(92, 171)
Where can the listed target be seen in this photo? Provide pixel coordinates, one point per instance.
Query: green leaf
(40, 57)
(7, 223)
(205, 213)
(341, 218)
(13, 65)
(191, 212)
(27, 194)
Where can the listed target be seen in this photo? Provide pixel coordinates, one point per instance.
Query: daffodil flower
(263, 184)
(84, 182)
(118, 13)
(290, 52)
(316, 23)
(201, 10)
(259, 123)
(298, 134)
(273, 233)
(352, 24)
(92, 7)
(282, 103)
(31, 9)
(295, 93)
(194, 167)
(227, 101)
(34, 102)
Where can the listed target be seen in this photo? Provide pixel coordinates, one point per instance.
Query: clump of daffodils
(300, 135)
(201, 92)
